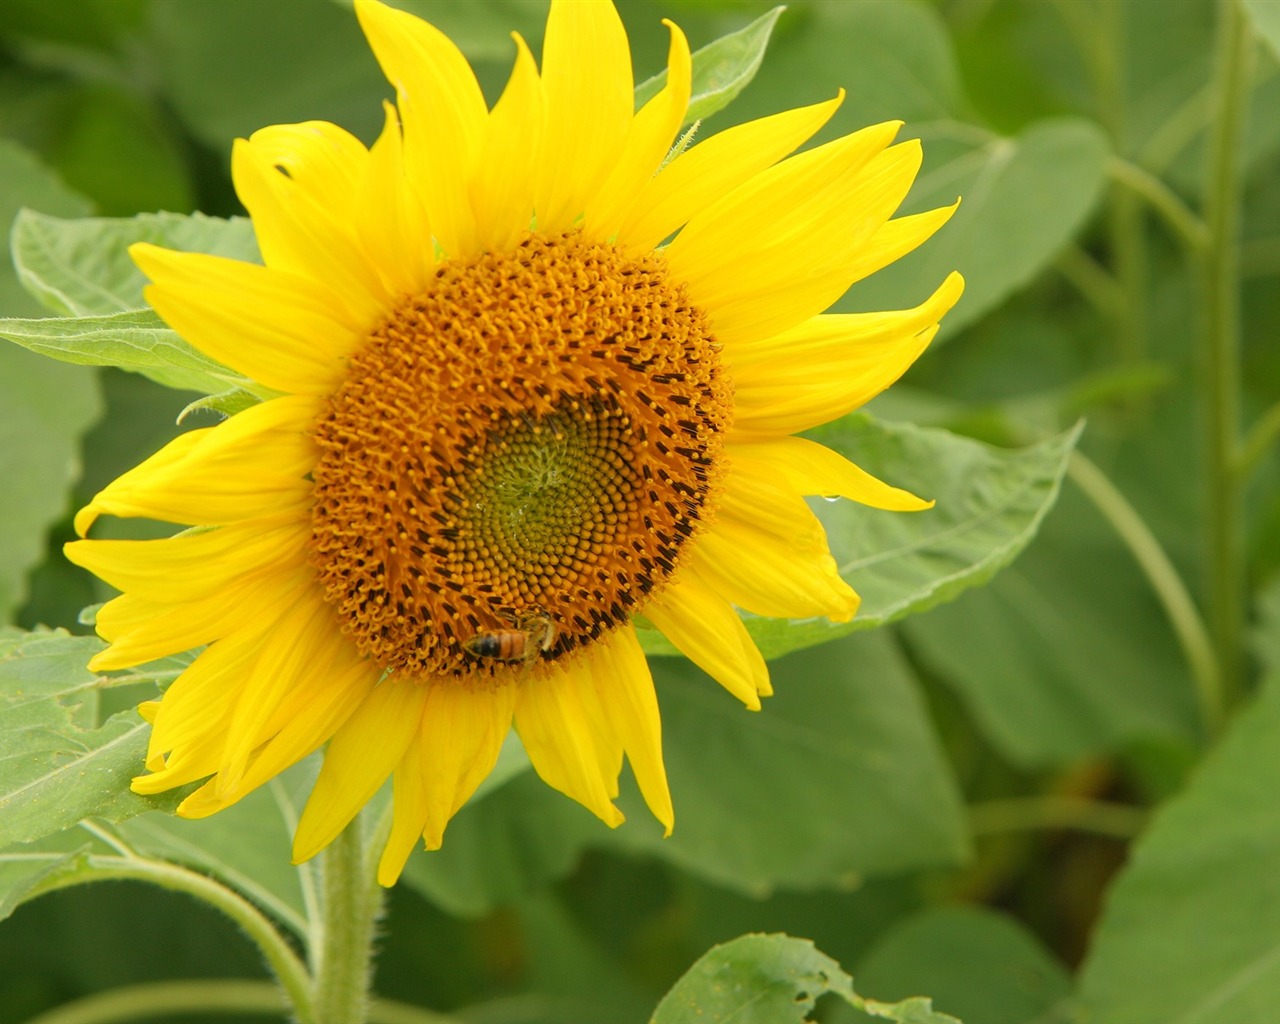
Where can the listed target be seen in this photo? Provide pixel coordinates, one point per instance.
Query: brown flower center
(516, 458)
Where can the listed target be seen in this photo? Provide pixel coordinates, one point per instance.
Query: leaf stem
(280, 957)
(1119, 821)
(162, 999)
(1184, 617)
(1221, 345)
(1189, 228)
(351, 903)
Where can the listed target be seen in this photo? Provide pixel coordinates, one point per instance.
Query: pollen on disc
(534, 438)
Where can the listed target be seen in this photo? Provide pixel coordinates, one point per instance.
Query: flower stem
(351, 902)
(1221, 346)
(1184, 617)
(279, 955)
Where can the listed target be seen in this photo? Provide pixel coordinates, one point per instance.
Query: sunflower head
(535, 376)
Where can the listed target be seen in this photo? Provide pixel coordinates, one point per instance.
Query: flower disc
(534, 437)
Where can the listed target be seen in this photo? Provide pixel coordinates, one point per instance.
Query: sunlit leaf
(136, 340)
(81, 267)
(1189, 932)
(774, 978)
(721, 70)
(56, 767)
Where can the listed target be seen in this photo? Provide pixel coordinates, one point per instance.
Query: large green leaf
(56, 767)
(721, 70)
(1065, 654)
(136, 340)
(784, 796)
(978, 964)
(45, 408)
(24, 182)
(773, 978)
(1191, 930)
(990, 503)
(81, 268)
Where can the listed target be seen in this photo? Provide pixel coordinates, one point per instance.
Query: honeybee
(534, 633)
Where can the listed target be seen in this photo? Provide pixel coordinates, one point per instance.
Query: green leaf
(721, 70)
(55, 768)
(1191, 929)
(22, 869)
(45, 409)
(81, 267)
(781, 797)
(990, 503)
(774, 978)
(1023, 200)
(135, 340)
(1265, 15)
(1075, 656)
(25, 182)
(974, 962)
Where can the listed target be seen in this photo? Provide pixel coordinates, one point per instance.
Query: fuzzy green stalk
(351, 902)
(1220, 356)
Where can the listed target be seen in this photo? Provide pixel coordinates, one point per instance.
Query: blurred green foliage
(944, 806)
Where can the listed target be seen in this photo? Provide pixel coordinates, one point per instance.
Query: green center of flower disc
(516, 458)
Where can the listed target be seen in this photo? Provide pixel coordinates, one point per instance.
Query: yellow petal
(299, 184)
(361, 755)
(502, 190)
(462, 734)
(568, 738)
(830, 365)
(332, 696)
(779, 250)
(254, 464)
(194, 564)
(767, 552)
(648, 142)
(814, 469)
(586, 75)
(714, 168)
(624, 690)
(444, 114)
(409, 814)
(896, 238)
(393, 223)
(706, 629)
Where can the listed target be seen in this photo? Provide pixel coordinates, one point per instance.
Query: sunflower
(508, 421)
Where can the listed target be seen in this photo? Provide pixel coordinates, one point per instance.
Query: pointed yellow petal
(392, 223)
(706, 629)
(624, 689)
(252, 465)
(361, 755)
(712, 169)
(462, 733)
(586, 74)
(779, 250)
(648, 142)
(332, 696)
(568, 738)
(896, 238)
(194, 564)
(409, 814)
(502, 191)
(767, 552)
(444, 114)
(298, 183)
